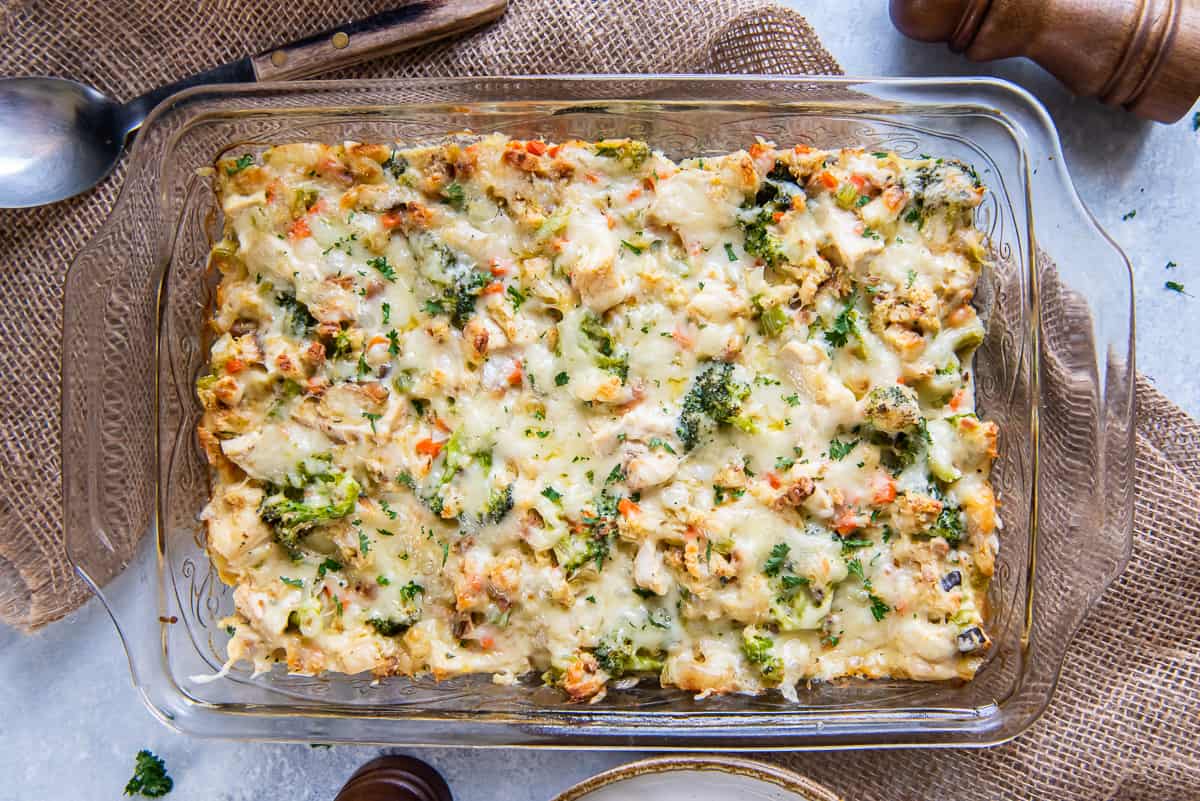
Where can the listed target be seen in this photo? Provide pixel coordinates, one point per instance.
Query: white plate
(700, 778)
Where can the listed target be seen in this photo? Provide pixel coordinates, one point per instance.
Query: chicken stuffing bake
(577, 410)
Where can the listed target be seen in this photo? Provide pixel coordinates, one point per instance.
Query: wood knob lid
(1140, 54)
(395, 778)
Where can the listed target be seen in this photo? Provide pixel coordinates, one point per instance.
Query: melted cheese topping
(509, 407)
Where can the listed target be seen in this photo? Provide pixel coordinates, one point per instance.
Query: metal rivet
(340, 40)
(279, 58)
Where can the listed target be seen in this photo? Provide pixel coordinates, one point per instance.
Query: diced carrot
(901, 379)
(377, 340)
(493, 288)
(554, 151)
(591, 177)
(442, 424)
(235, 366)
(535, 147)
(684, 339)
(893, 198)
(498, 269)
(391, 219)
(487, 642)
(958, 399)
(828, 180)
(802, 149)
(516, 376)
(846, 522)
(885, 489)
(430, 447)
(960, 315)
(858, 181)
(757, 149)
(627, 508)
(299, 230)
(634, 194)
(648, 184)
(774, 481)
(777, 216)
(612, 223)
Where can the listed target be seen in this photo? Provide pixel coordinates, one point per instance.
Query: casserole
(1059, 386)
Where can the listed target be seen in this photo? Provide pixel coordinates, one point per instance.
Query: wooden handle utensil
(1140, 54)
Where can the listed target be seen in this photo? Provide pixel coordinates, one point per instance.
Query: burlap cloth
(1124, 722)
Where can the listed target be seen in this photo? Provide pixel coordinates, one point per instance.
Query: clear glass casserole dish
(1055, 372)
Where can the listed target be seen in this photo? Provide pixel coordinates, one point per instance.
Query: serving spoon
(59, 138)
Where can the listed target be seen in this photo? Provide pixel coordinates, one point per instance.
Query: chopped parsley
(516, 296)
(385, 269)
(562, 379)
(777, 560)
(372, 417)
(327, 566)
(792, 400)
(729, 252)
(364, 544)
(455, 196)
(411, 590)
(661, 444)
(1175, 286)
(150, 777)
(242, 162)
(1129, 215)
(552, 494)
(387, 312)
(292, 582)
(393, 342)
(722, 494)
(635, 249)
(839, 450)
(844, 325)
(383, 581)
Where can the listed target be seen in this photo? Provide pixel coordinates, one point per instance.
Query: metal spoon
(59, 137)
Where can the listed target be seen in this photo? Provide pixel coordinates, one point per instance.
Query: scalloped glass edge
(131, 590)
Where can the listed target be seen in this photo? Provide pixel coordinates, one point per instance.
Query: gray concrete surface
(72, 722)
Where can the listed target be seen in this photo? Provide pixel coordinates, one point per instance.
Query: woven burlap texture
(1124, 722)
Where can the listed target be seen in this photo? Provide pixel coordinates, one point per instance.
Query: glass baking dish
(1055, 372)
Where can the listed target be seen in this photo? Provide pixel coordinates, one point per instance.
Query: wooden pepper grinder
(1140, 54)
(395, 778)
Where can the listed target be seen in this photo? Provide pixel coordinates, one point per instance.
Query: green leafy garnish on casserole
(579, 411)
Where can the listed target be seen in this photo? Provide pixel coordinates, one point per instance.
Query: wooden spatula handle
(411, 23)
(1140, 54)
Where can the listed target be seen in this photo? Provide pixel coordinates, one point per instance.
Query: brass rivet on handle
(340, 40)
(279, 58)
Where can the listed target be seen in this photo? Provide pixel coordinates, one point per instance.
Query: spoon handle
(411, 24)
(408, 25)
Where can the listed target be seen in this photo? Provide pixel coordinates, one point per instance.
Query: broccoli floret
(328, 497)
(594, 542)
(714, 399)
(759, 650)
(499, 504)
(390, 626)
(901, 450)
(617, 655)
(462, 295)
(630, 152)
(949, 526)
(149, 776)
(893, 409)
(299, 320)
(759, 241)
(604, 347)
(575, 550)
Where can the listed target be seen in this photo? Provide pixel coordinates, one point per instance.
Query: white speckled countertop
(73, 722)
